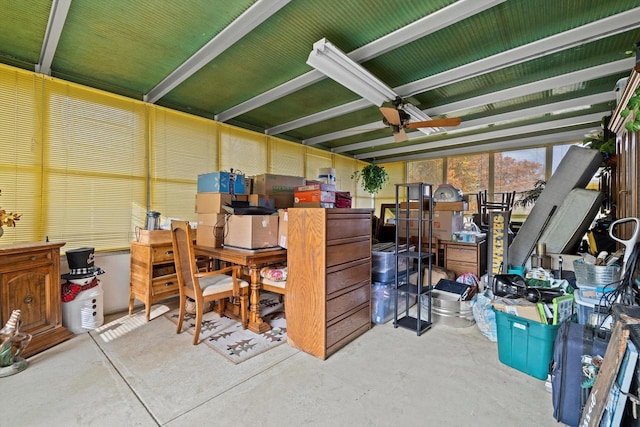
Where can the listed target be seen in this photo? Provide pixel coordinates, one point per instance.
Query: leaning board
(574, 171)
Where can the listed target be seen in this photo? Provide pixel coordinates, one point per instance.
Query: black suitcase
(572, 373)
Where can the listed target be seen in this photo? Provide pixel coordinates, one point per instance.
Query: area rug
(227, 337)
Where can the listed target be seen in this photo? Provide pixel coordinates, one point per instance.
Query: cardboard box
(403, 223)
(445, 223)
(451, 206)
(314, 196)
(213, 202)
(152, 237)
(518, 307)
(211, 219)
(210, 236)
(280, 187)
(252, 231)
(315, 186)
(437, 206)
(283, 225)
(218, 182)
(468, 236)
(149, 237)
(261, 200)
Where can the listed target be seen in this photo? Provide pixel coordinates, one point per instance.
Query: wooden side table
(462, 257)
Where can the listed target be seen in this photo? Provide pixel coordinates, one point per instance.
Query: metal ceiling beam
(57, 18)
(496, 120)
(606, 27)
(498, 96)
(567, 137)
(514, 132)
(442, 18)
(259, 12)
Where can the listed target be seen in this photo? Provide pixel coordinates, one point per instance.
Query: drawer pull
(28, 299)
(167, 284)
(169, 252)
(33, 258)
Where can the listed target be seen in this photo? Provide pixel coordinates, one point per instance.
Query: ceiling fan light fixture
(336, 65)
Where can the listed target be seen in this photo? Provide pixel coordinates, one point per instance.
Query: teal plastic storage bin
(524, 344)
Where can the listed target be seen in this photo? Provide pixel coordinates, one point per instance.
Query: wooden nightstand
(465, 257)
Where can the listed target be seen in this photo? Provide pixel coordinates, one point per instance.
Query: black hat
(81, 264)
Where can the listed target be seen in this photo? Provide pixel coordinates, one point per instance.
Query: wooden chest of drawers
(153, 275)
(328, 292)
(465, 257)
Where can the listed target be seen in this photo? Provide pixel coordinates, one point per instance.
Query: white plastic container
(85, 312)
(587, 313)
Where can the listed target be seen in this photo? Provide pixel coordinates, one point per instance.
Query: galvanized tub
(447, 310)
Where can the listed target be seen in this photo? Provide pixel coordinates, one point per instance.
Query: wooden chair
(275, 286)
(203, 286)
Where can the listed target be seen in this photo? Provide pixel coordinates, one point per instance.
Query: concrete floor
(136, 373)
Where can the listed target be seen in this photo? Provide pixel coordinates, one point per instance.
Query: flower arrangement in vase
(7, 219)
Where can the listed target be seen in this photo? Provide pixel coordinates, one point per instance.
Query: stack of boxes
(278, 187)
(214, 192)
(315, 194)
(448, 218)
(217, 228)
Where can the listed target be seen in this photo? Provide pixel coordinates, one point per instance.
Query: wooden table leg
(256, 324)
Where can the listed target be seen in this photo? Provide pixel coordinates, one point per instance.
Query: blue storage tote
(525, 345)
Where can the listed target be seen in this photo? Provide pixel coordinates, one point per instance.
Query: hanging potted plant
(372, 177)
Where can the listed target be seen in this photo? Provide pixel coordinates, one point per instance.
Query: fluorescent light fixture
(336, 65)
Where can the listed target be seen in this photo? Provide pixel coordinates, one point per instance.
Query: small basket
(595, 275)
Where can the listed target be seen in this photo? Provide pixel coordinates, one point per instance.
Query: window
(469, 173)
(431, 171)
(518, 171)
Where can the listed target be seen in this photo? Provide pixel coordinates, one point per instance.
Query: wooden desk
(254, 260)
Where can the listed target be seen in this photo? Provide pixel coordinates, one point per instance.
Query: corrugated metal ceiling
(129, 48)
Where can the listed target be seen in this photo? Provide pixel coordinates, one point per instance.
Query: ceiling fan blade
(435, 123)
(400, 136)
(391, 114)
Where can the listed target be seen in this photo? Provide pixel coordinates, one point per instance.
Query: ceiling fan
(398, 120)
(335, 64)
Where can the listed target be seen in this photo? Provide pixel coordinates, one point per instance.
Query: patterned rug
(227, 337)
